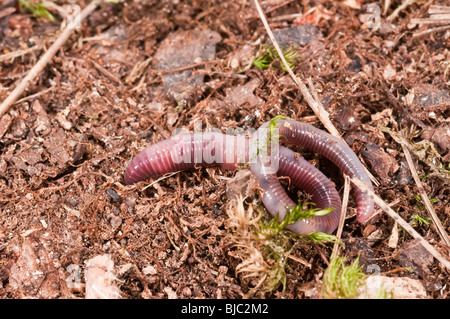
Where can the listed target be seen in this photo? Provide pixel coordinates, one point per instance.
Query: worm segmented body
(335, 149)
(187, 151)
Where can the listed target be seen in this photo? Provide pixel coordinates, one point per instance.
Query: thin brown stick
(35, 95)
(379, 211)
(434, 9)
(286, 17)
(444, 20)
(402, 223)
(314, 104)
(437, 15)
(343, 215)
(111, 76)
(15, 54)
(44, 60)
(437, 223)
(311, 98)
(400, 8)
(438, 29)
(187, 67)
(440, 17)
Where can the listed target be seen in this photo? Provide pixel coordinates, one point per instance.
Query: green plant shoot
(268, 55)
(341, 281)
(39, 10)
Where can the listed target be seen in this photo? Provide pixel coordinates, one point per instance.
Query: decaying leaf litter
(134, 72)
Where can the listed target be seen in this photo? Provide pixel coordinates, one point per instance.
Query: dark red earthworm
(333, 148)
(309, 179)
(186, 151)
(203, 149)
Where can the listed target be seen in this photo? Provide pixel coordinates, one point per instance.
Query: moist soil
(135, 72)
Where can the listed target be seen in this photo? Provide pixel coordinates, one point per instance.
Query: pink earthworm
(186, 151)
(306, 177)
(305, 135)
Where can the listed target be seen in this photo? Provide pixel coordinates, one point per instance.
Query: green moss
(279, 242)
(268, 55)
(39, 9)
(300, 212)
(342, 281)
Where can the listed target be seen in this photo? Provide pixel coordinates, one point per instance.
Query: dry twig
(403, 223)
(438, 29)
(342, 218)
(45, 59)
(400, 8)
(437, 15)
(323, 116)
(313, 103)
(426, 200)
(15, 54)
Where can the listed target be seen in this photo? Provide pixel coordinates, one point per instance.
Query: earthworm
(186, 151)
(333, 148)
(306, 177)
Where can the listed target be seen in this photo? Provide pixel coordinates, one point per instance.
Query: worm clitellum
(186, 151)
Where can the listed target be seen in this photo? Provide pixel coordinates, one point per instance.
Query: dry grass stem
(137, 71)
(402, 223)
(342, 218)
(15, 54)
(45, 59)
(309, 97)
(436, 9)
(426, 200)
(444, 19)
(33, 96)
(424, 150)
(438, 29)
(400, 8)
(379, 211)
(158, 180)
(105, 72)
(286, 17)
(438, 15)
(386, 6)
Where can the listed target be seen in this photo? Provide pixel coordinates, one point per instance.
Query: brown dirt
(105, 96)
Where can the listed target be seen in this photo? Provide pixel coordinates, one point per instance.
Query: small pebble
(113, 194)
